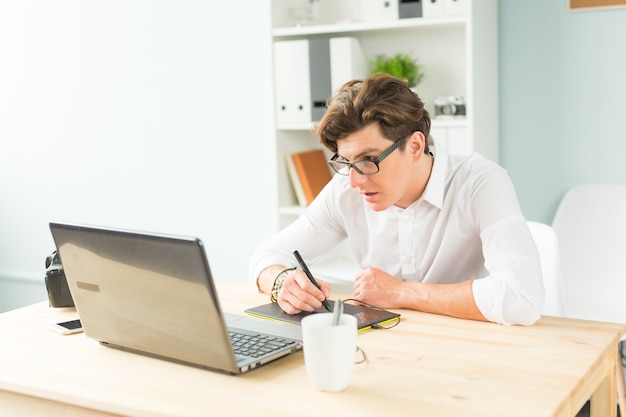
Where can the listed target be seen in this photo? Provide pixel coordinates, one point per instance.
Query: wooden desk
(428, 365)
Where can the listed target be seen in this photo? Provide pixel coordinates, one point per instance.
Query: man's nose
(356, 179)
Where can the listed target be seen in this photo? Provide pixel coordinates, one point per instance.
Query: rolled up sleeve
(513, 291)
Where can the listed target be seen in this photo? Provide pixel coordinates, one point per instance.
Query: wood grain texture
(427, 365)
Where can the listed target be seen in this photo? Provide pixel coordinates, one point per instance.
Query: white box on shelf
(454, 7)
(335, 11)
(433, 8)
(378, 10)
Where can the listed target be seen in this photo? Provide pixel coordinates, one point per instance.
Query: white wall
(562, 89)
(152, 115)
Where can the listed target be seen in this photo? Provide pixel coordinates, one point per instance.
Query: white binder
(308, 72)
(347, 61)
(292, 82)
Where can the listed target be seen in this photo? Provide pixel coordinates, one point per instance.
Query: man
(432, 232)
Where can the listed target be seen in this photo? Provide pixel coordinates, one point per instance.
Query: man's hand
(377, 287)
(299, 294)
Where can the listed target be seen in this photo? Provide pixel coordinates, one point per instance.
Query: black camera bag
(58, 291)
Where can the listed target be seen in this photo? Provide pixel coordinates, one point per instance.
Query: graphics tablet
(367, 317)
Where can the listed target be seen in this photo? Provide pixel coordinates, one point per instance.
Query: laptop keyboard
(257, 344)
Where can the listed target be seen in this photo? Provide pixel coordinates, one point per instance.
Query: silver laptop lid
(148, 293)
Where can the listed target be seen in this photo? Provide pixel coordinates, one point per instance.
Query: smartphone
(67, 327)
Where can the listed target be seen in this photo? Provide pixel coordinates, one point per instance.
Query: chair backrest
(548, 246)
(590, 223)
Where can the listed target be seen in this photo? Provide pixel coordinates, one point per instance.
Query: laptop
(154, 295)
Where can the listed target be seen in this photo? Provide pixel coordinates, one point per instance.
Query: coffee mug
(329, 350)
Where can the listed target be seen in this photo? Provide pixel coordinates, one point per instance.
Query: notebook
(154, 295)
(367, 317)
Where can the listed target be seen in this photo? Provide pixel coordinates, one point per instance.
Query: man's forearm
(455, 300)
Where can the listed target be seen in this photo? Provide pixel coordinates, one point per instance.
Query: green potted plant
(400, 65)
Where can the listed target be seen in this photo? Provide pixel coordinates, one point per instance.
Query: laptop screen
(150, 293)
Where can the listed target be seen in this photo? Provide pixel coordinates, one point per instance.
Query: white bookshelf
(357, 28)
(459, 55)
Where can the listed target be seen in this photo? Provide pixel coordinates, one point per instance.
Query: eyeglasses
(367, 166)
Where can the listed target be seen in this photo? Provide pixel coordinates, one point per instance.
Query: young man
(432, 232)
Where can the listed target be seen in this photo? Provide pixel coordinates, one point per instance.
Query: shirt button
(408, 260)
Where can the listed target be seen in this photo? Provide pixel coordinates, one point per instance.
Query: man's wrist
(278, 283)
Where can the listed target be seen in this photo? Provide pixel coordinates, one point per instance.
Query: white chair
(548, 247)
(590, 223)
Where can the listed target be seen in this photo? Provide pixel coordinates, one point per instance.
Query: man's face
(390, 185)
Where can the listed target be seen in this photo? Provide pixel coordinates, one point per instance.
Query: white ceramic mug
(329, 350)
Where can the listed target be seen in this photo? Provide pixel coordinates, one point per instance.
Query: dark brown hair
(379, 98)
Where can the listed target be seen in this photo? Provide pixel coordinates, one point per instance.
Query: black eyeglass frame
(376, 161)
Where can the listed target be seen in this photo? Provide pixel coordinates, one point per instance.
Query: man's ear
(416, 144)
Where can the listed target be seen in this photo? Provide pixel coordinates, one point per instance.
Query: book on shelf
(309, 173)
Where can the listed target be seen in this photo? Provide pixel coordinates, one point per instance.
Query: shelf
(459, 55)
(357, 27)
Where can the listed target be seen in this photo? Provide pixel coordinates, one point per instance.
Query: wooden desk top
(428, 365)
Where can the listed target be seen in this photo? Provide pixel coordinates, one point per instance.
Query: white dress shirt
(467, 224)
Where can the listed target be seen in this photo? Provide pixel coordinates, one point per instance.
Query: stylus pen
(308, 274)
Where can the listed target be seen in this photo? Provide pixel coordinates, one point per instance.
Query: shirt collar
(436, 183)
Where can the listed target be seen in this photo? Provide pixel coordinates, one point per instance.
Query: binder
(320, 76)
(347, 61)
(308, 71)
(292, 82)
